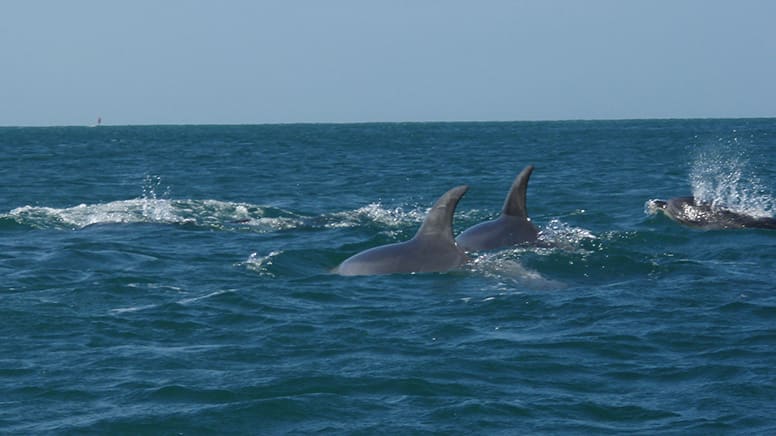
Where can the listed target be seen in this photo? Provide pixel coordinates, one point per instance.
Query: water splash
(651, 207)
(152, 185)
(261, 264)
(375, 213)
(721, 175)
(210, 214)
(559, 234)
(83, 215)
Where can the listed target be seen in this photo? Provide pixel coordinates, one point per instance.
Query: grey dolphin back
(515, 203)
(512, 227)
(432, 249)
(439, 221)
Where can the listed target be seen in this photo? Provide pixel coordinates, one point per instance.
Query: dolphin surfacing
(512, 227)
(432, 249)
(690, 212)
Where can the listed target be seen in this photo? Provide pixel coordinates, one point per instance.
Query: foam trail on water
(83, 215)
(212, 214)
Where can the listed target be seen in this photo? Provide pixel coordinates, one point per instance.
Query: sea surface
(177, 280)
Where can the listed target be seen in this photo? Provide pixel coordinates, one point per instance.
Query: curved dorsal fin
(514, 205)
(439, 221)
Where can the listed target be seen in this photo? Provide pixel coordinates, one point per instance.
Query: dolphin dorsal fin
(514, 205)
(439, 221)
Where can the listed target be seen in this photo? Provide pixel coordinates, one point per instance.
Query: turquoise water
(175, 279)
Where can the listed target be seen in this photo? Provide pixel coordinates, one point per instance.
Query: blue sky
(205, 62)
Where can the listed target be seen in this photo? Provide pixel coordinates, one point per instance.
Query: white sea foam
(208, 213)
(83, 215)
(560, 234)
(376, 213)
(261, 264)
(204, 213)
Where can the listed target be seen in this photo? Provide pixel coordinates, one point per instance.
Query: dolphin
(689, 211)
(512, 227)
(432, 249)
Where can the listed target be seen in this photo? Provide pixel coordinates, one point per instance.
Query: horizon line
(292, 123)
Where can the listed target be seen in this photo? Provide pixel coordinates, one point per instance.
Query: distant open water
(175, 280)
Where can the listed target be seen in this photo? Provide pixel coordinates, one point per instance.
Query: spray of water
(261, 264)
(721, 175)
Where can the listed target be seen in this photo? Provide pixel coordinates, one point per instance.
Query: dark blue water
(175, 279)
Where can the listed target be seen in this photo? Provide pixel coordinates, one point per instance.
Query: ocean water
(176, 280)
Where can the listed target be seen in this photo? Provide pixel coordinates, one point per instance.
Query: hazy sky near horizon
(243, 61)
